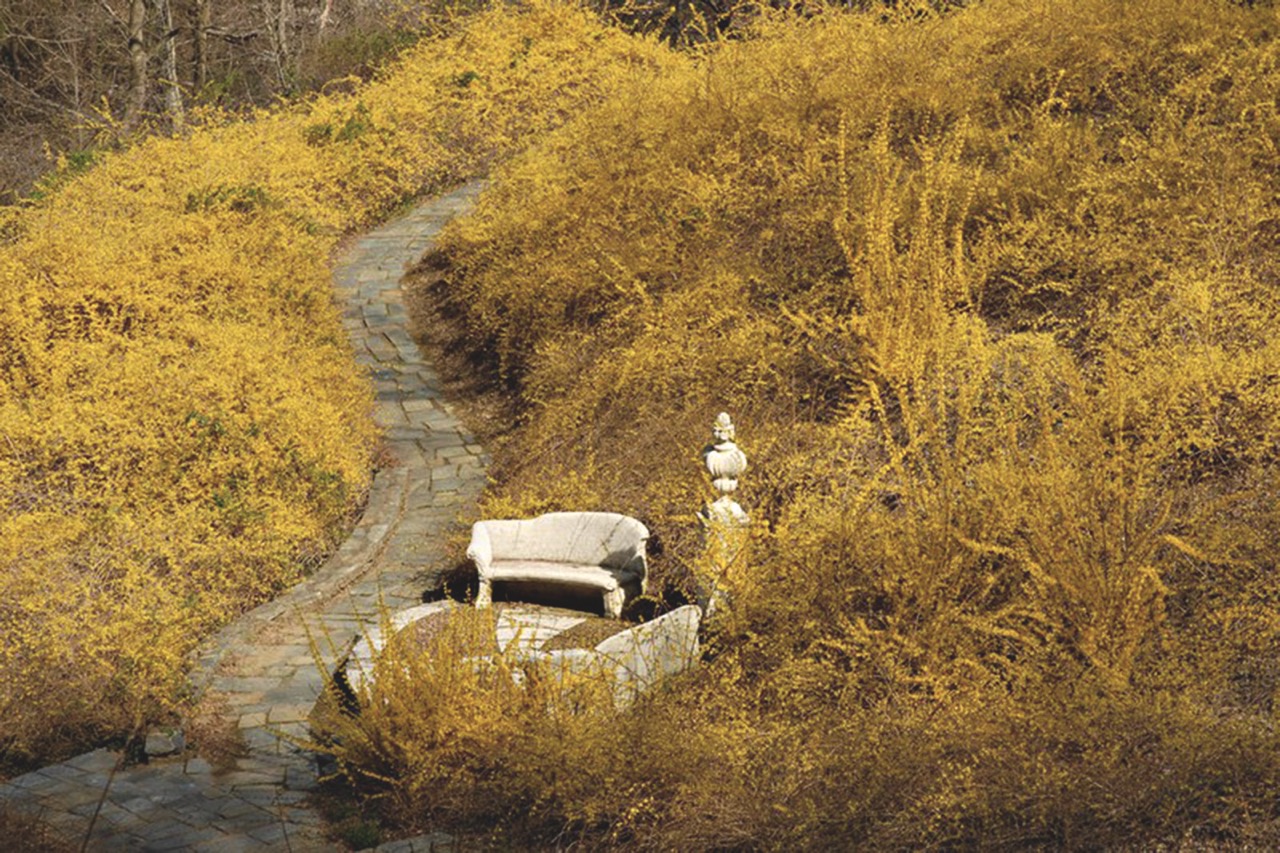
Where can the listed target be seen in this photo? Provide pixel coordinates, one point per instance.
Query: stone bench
(636, 660)
(632, 661)
(598, 550)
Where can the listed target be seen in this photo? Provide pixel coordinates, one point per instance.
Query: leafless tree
(68, 66)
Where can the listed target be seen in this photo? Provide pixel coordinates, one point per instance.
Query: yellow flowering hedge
(182, 426)
(993, 296)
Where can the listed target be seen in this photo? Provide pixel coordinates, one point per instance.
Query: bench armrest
(480, 551)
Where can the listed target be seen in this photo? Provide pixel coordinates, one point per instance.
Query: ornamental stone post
(724, 522)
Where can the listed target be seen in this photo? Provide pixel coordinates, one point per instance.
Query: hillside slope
(994, 300)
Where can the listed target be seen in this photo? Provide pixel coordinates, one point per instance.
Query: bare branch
(44, 42)
(120, 22)
(163, 42)
(34, 99)
(233, 37)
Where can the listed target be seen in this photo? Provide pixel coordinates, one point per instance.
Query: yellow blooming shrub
(992, 296)
(182, 426)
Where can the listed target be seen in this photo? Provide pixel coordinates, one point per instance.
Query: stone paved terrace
(263, 664)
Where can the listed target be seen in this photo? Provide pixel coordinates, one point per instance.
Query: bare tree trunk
(280, 17)
(284, 25)
(203, 14)
(172, 91)
(284, 22)
(326, 14)
(137, 63)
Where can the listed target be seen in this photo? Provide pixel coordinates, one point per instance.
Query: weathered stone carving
(724, 522)
(637, 659)
(600, 550)
(725, 463)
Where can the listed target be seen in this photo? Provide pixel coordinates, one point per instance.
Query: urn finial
(725, 463)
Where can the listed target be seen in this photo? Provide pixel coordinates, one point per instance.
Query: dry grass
(214, 732)
(23, 833)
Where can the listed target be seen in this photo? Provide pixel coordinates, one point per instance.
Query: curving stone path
(262, 665)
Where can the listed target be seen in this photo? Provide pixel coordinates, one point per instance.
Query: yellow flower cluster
(182, 426)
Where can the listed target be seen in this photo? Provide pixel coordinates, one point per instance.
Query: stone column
(724, 522)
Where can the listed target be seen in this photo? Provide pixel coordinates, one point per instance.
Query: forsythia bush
(182, 426)
(994, 298)
(443, 736)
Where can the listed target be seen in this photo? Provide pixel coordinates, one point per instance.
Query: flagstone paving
(263, 665)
